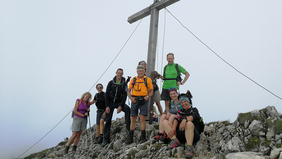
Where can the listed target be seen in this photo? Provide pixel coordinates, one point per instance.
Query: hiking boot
(190, 152)
(158, 138)
(74, 148)
(100, 139)
(66, 150)
(129, 139)
(174, 143)
(104, 143)
(143, 136)
(166, 139)
(96, 139)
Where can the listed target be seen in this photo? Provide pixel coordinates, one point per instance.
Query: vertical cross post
(152, 10)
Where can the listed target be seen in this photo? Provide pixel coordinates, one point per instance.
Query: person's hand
(182, 125)
(133, 100)
(86, 114)
(146, 98)
(178, 83)
(119, 109)
(108, 110)
(171, 133)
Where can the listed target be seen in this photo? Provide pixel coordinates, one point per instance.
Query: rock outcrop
(256, 134)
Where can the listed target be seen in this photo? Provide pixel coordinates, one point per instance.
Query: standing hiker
(81, 111)
(172, 78)
(100, 100)
(156, 95)
(115, 99)
(142, 89)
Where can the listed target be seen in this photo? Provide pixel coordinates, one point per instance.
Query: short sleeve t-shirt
(171, 72)
(139, 87)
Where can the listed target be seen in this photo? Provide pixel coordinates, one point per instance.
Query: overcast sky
(51, 52)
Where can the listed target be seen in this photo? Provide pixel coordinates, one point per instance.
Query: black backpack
(117, 91)
(178, 78)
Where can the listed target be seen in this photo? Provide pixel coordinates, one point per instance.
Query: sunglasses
(99, 87)
(171, 88)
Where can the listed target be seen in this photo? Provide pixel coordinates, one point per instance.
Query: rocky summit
(253, 135)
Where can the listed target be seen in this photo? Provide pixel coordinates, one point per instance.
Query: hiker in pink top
(81, 111)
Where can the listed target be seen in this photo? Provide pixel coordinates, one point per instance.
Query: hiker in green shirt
(172, 78)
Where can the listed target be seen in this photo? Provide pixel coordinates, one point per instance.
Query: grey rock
(244, 155)
(255, 127)
(275, 153)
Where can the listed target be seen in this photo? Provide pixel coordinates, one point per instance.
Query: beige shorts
(78, 124)
(157, 96)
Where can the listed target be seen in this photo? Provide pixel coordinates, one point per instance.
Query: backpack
(117, 91)
(199, 124)
(178, 78)
(134, 82)
(79, 102)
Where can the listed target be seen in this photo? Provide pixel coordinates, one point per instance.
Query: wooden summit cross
(152, 10)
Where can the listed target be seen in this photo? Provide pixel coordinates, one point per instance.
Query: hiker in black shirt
(116, 94)
(184, 126)
(100, 100)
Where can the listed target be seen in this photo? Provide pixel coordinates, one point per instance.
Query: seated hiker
(155, 114)
(79, 123)
(140, 89)
(169, 116)
(99, 99)
(184, 128)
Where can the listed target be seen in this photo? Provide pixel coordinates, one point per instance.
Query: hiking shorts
(180, 135)
(99, 116)
(78, 124)
(165, 95)
(143, 109)
(157, 96)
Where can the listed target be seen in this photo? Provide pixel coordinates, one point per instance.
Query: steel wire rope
(88, 91)
(223, 59)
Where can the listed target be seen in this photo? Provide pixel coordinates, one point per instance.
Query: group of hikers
(177, 123)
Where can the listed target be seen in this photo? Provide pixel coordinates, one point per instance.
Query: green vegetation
(278, 145)
(158, 146)
(62, 143)
(156, 127)
(41, 154)
(145, 146)
(278, 126)
(131, 154)
(117, 130)
(266, 143)
(252, 143)
(226, 122)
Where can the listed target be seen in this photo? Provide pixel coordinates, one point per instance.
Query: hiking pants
(109, 116)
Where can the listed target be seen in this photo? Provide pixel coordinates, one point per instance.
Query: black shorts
(180, 135)
(165, 95)
(99, 116)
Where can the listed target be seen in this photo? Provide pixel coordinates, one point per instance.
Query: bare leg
(163, 118)
(167, 127)
(171, 118)
(143, 122)
(160, 107)
(77, 138)
(72, 138)
(189, 132)
(102, 126)
(98, 131)
(133, 122)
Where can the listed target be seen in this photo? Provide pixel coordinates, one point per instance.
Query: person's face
(86, 97)
(99, 88)
(173, 95)
(185, 104)
(144, 65)
(140, 72)
(119, 74)
(170, 59)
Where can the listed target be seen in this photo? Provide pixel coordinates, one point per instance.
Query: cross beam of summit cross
(152, 10)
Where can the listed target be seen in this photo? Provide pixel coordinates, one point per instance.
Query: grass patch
(278, 126)
(266, 143)
(131, 154)
(156, 127)
(62, 143)
(145, 146)
(278, 145)
(226, 122)
(41, 154)
(252, 143)
(158, 146)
